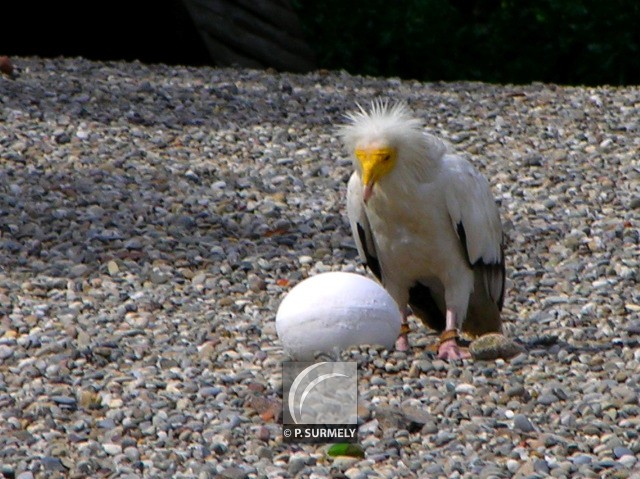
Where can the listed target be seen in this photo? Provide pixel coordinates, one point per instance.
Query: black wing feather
(491, 268)
(370, 256)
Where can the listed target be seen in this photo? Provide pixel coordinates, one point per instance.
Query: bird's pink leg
(448, 348)
(402, 343)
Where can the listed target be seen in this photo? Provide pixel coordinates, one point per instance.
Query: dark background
(505, 41)
(152, 32)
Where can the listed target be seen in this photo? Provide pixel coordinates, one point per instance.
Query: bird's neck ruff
(418, 153)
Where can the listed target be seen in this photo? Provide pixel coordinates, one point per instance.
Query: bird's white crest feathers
(394, 121)
(396, 126)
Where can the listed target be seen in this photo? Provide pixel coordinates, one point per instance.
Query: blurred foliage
(585, 42)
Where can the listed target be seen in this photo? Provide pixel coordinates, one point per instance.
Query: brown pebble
(269, 409)
(494, 346)
(263, 434)
(89, 399)
(256, 387)
(5, 65)
(226, 301)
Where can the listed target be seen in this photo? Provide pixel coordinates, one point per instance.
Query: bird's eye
(386, 157)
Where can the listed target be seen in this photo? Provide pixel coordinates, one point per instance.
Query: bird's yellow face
(375, 163)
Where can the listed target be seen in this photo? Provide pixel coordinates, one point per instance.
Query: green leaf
(344, 449)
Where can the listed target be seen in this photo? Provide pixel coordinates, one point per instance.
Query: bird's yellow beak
(375, 163)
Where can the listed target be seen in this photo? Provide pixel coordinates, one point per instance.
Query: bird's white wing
(360, 225)
(476, 220)
(473, 210)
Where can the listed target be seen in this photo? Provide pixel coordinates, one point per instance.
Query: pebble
(620, 451)
(154, 216)
(407, 417)
(112, 449)
(522, 423)
(493, 346)
(628, 460)
(113, 268)
(5, 352)
(547, 399)
(541, 466)
(234, 473)
(64, 400)
(633, 327)
(512, 465)
(582, 459)
(52, 464)
(465, 388)
(343, 463)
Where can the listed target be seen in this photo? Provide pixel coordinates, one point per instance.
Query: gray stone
(52, 464)
(540, 465)
(5, 352)
(234, 473)
(522, 423)
(620, 451)
(581, 459)
(407, 417)
(547, 399)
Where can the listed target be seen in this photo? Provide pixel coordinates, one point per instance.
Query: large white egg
(336, 310)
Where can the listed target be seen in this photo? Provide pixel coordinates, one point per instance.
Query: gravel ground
(152, 217)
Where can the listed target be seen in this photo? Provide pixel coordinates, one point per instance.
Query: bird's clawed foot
(449, 350)
(402, 343)
(448, 347)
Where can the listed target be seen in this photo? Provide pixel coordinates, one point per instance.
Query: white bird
(426, 225)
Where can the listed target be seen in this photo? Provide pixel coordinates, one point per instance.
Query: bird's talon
(449, 350)
(402, 343)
